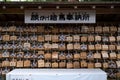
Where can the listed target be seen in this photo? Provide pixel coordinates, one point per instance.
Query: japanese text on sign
(64, 16)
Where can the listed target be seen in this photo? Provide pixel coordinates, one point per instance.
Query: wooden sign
(60, 16)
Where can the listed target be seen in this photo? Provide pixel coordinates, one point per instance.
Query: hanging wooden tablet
(34, 46)
(13, 63)
(118, 29)
(55, 38)
(76, 46)
(12, 28)
(104, 47)
(105, 38)
(0, 64)
(83, 47)
(40, 46)
(98, 29)
(27, 55)
(5, 71)
(1, 46)
(83, 38)
(27, 45)
(112, 47)
(77, 29)
(118, 47)
(91, 47)
(106, 29)
(118, 64)
(41, 63)
(40, 56)
(34, 37)
(69, 46)
(48, 29)
(97, 38)
(112, 39)
(40, 38)
(83, 64)
(62, 46)
(6, 46)
(113, 29)
(91, 29)
(48, 55)
(47, 46)
(98, 46)
(54, 45)
(34, 64)
(69, 38)
(40, 29)
(20, 54)
(69, 64)
(5, 63)
(62, 29)
(34, 29)
(4, 29)
(5, 54)
(118, 74)
(76, 38)
(69, 29)
(105, 65)
(13, 38)
(48, 64)
(69, 56)
(112, 64)
(62, 64)
(19, 29)
(0, 55)
(76, 64)
(118, 38)
(55, 64)
(40, 52)
(54, 55)
(76, 56)
(0, 28)
(62, 56)
(90, 55)
(91, 38)
(98, 65)
(118, 56)
(6, 37)
(84, 29)
(48, 37)
(97, 55)
(55, 29)
(83, 55)
(26, 29)
(62, 37)
(104, 54)
(90, 65)
(19, 63)
(27, 63)
(113, 55)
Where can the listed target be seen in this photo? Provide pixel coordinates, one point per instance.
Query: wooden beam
(64, 3)
(98, 10)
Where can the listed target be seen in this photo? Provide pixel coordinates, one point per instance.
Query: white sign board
(20, 77)
(60, 16)
(56, 74)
